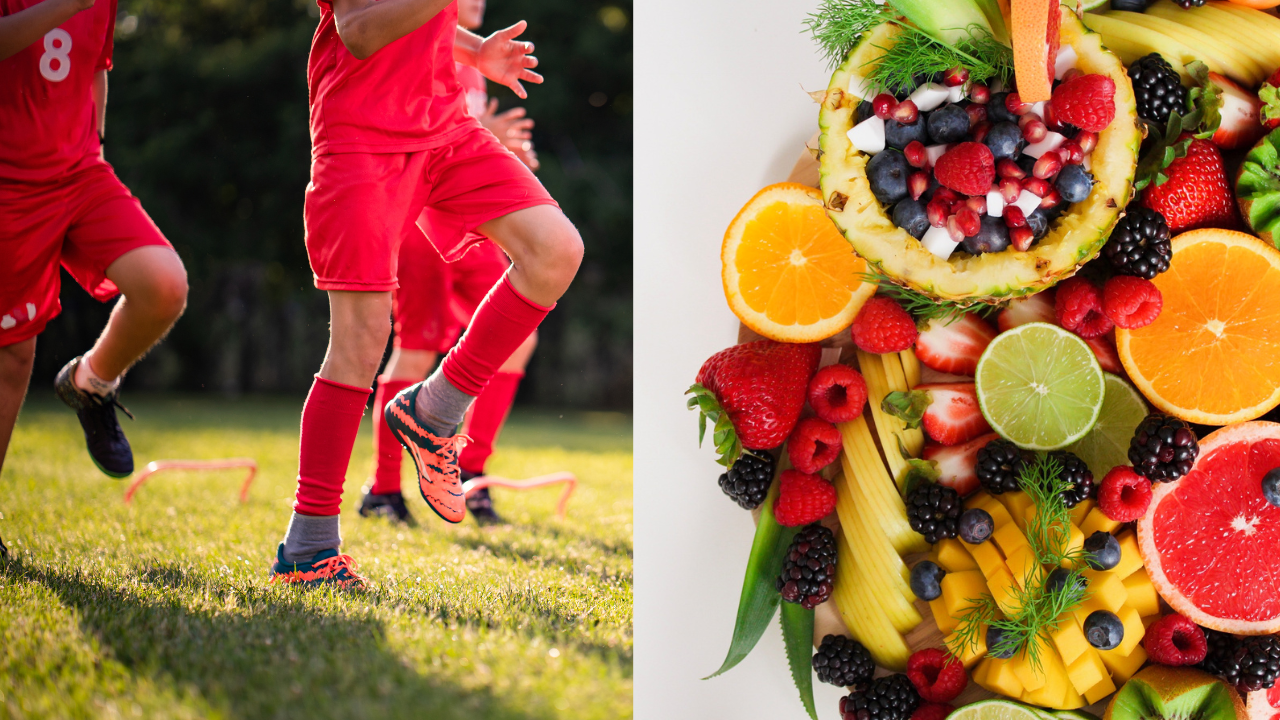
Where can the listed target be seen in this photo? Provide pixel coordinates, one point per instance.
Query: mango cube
(1028, 678)
(1123, 667)
(1142, 594)
(1075, 543)
(952, 557)
(1017, 503)
(1004, 591)
(1082, 611)
(1023, 565)
(1087, 671)
(999, 513)
(958, 588)
(979, 673)
(1001, 678)
(1070, 641)
(1104, 688)
(1134, 630)
(1010, 539)
(1095, 521)
(945, 620)
(1106, 590)
(988, 558)
(970, 655)
(1130, 558)
(1080, 511)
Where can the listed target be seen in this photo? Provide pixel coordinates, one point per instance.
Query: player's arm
(499, 57)
(24, 27)
(367, 26)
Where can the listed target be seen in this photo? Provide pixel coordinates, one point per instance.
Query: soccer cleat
(481, 505)
(435, 458)
(327, 567)
(388, 505)
(108, 447)
(4, 551)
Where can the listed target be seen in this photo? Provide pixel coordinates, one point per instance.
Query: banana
(1233, 63)
(1256, 19)
(1222, 25)
(863, 616)
(1131, 42)
(864, 466)
(888, 427)
(910, 367)
(881, 569)
(896, 370)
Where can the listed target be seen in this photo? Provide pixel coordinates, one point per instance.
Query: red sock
(330, 421)
(485, 420)
(500, 324)
(387, 453)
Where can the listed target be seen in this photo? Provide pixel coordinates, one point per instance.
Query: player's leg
(16, 361)
(484, 424)
(383, 496)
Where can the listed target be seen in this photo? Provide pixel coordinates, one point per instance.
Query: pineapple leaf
(797, 634)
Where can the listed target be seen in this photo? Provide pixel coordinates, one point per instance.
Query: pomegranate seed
(980, 94)
(1014, 217)
(1051, 117)
(1052, 199)
(1036, 187)
(968, 221)
(1007, 168)
(1034, 130)
(937, 210)
(980, 130)
(1010, 189)
(918, 183)
(1071, 153)
(956, 76)
(1015, 106)
(977, 203)
(906, 112)
(1087, 141)
(977, 113)
(884, 105)
(946, 194)
(1047, 166)
(1071, 74)
(953, 228)
(1021, 238)
(916, 154)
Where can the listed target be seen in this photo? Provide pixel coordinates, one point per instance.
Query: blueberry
(1005, 140)
(865, 110)
(976, 526)
(910, 215)
(948, 124)
(897, 135)
(993, 236)
(926, 580)
(1038, 221)
(1058, 580)
(1074, 183)
(1026, 162)
(1102, 550)
(994, 636)
(888, 172)
(1271, 486)
(997, 111)
(1129, 5)
(1103, 630)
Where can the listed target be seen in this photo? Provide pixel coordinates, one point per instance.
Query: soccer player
(391, 138)
(435, 300)
(61, 204)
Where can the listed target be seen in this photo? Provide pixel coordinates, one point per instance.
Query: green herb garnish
(922, 307)
(916, 54)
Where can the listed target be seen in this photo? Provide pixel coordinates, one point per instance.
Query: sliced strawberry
(1105, 349)
(956, 463)
(1023, 310)
(954, 347)
(1270, 99)
(953, 416)
(1241, 115)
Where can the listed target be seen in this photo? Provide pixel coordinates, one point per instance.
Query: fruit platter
(1004, 404)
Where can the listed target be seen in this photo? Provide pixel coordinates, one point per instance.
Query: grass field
(162, 608)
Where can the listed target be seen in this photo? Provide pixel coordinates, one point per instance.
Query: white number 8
(57, 47)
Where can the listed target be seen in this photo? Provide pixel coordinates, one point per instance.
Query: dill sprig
(922, 307)
(1049, 528)
(916, 55)
(838, 25)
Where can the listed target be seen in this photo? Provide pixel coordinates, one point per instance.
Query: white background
(721, 111)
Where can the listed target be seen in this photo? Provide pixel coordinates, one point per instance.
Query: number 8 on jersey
(55, 63)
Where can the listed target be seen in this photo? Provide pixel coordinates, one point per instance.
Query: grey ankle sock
(308, 535)
(440, 405)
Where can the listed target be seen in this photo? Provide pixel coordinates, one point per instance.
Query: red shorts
(83, 223)
(436, 299)
(360, 206)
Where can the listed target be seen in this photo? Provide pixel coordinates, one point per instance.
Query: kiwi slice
(1258, 187)
(1175, 693)
(1075, 715)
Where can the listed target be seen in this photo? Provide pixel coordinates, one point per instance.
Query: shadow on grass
(257, 654)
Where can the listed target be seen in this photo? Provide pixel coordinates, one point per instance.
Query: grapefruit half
(1264, 704)
(1210, 540)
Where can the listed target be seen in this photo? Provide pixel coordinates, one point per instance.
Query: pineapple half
(1073, 239)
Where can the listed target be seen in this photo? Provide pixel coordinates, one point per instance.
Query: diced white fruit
(929, 96)
(1088, 162)
(995, 203)
(1037, 108)
(868, 135)
(1027, 202)
(1065, 61)
(933, 152)
(955, 94)
(1051, 141)
(937, 240)
(859, 87)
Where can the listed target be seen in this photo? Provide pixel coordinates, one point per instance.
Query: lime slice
(1107, 444)
(1080, 714)
(1088, 4)
(995, 710)
(1039, 386)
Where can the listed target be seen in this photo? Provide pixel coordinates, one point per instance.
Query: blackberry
(934, 511)
(748, 481)
(1139, 244)
(1188, 4)
(843, 662)
(1258, 660)
(1157, 88)
(888, 698)
(809, 570)
(998, 465)
(1078, 475)
(1163, 448)
(1218, 661)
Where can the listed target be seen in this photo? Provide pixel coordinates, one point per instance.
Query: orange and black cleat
(435, 458)
(327, 567)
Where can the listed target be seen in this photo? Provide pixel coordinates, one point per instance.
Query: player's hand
(81, 4)
(507, 61)
(510, 127)
(527, 155)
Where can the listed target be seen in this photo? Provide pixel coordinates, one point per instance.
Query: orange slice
(1034, 28)
(788, 273)
(1213, 355)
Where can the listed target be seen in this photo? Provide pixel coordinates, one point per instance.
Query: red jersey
(475, 87)
(47, 123)
(404, 98)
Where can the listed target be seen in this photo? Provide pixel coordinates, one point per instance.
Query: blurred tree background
(207, 124)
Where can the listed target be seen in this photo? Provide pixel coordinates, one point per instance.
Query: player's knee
(563, 256)
(17, 360)
(169, 295)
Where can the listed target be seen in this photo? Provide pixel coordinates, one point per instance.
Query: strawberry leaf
(1270, 98)
(909, 407)
(723, 433)
(919, 471)
(1201, 121)
(1206, 99)
(797, 634)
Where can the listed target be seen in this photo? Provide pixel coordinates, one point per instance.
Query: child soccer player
(61, 204)
(391, 139)
(435, 300)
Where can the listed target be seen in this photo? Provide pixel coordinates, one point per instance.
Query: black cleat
(390, 506)
(108, 447)
(481, 505)
(4, 551)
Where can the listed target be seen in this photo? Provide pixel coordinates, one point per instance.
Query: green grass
(162, 608)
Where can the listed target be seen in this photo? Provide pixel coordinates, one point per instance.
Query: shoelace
(112, 400)
(334, 566)
(447, 455)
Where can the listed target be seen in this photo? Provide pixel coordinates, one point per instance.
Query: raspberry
(1131, 302)
(932, 711)
(882, 326)
(837, 393)
(1175, 640)
(968, 168)
(813, 445)
(1078, 306)
(803, 499)
(937, 675)
(1124, 494)
(1087, 101)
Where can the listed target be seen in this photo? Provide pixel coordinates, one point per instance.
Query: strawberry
(954, 345)
(1086, 101)
(753, 393)
(949, 412)
(1269, 96)
(1241, 114)
(956, 463)
(968, 168)
(1197, 193)
(1031, 308)
(803, 499)
(1104, 348)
